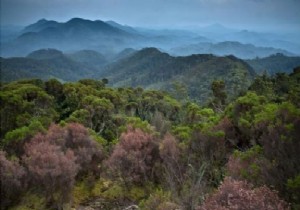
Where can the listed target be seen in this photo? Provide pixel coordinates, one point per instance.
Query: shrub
(249, 165)
(75, 137)
(11, 177)
(51, 169)
(234, 194)
(134, 156)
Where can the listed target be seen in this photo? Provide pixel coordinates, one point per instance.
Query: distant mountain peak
(76, 20)
(42, 54)
(151, 51)
(120, 26)
(112, 22)
(40, 25)
(43, 20)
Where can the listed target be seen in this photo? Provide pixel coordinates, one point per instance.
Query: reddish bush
(169, 150)
(74, 136)
(250, 165)
(11, 179)
(50, 168)
(183, 177)
(231, 136)
(173, 168)
(134, 156)
(241, 195)
(88, 153)
(54, 159)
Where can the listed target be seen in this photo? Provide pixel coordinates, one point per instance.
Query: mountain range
(149, 68)
(44, 64)
(110, 37)
(277, 63)
(73, 35)
(244, 51)
(152, 69)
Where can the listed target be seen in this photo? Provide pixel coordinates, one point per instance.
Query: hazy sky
(159, 13)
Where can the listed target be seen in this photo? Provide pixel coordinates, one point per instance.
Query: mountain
(124, 54)
(76, 34)
(150, 68)
(122, 27)
(274, 64)
(45, 54)
(89, 58)
(9, 32)
(244, 51)
(265, 40)
(44, 64)
(41, 25)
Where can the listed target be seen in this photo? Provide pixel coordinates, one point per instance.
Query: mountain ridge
(151, 68)
(44, 64)
(73, 35)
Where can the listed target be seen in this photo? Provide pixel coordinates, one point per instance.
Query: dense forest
(85, 145)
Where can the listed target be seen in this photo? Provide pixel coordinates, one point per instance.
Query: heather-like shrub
(75, 137)
(250, 165)
(11, 178)
(55, 158)
(50, 169)
(235, 195)
(134, 156)
(183, 178)
(172, 165)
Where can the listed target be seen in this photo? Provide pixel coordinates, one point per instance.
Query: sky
(246, 14)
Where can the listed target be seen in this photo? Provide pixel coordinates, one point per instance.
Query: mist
(244, 28)
(271, 15)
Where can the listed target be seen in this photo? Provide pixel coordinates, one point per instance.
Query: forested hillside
(45, 64)
(84, 145)
(148, 68)
(151, 68)
(274, 64)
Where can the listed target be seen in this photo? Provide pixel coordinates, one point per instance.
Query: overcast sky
(248, 14)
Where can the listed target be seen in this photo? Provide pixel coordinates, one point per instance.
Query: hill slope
(151, 68)
(244, 51)
(89, 58)
(44, 64)
(274, 64)
(74, 35)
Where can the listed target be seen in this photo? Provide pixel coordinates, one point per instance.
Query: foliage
(20, 103)
(12, 180)
(159, 200)
(57, 176)
(152, 69)
(234, 194)
(75, 138)
(274, 64)
(31, 201)
(70, 144)
(218, 89)
(248, 165)
(134, 156)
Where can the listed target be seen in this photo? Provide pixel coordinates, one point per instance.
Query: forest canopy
(79, 144)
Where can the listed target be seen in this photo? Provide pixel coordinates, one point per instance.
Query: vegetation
(70, 145)
(44, 64)
(274, 64)
(151, 69)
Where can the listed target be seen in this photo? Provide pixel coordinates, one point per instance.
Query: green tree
(220, 96)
